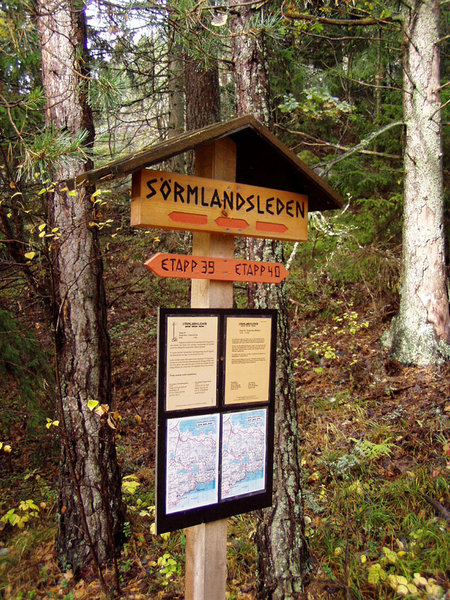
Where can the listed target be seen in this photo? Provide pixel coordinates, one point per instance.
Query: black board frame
(228, 506)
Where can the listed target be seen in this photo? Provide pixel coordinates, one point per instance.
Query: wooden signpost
(221, 269)
(216, 209)
(206, 544)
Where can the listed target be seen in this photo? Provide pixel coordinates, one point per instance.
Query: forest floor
(375, 461)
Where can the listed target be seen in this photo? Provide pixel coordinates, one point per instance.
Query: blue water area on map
(204, 487)
(200, 426)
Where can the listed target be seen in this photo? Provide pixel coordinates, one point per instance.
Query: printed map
(192, 462)
(243, 452)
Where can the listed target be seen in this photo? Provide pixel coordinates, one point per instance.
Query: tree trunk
(251, 82)
(282, 555)
(89, 471)
(421, 331)
(202, 94)
(176, 102)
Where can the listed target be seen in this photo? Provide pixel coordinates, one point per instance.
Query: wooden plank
(183, 266)
(206, 544)
(206, 567)
(173, 201)
(302, 177)
(162, 151)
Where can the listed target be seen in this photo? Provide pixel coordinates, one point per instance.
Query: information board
(216, 380)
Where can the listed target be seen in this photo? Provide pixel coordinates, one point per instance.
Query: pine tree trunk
(282, 554)
(89, 470)
(176, 103)
(202, 94)
(421, 331)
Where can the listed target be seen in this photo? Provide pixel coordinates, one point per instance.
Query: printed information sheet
(243, 452)
(247, 359)
(191, 362)
(192, 455)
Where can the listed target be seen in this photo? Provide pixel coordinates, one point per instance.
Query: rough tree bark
(202, 94)
(282, 554)
(421, 331)
(89, 467)
(176, 99)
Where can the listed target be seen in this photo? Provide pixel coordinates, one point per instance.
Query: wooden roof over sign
(262, 160)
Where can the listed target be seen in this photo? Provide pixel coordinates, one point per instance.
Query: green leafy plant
(167, 566)
(26, 510)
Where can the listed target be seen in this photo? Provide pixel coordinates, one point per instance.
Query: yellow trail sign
(174, 201)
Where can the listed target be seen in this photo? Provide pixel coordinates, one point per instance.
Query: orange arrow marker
(222, 269)
(231, 223)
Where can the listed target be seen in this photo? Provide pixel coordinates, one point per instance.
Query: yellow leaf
(402, 590)
(73, 193)
(338, 551)
(433, 589)
(30, 255)
(419, 580)
(111, 422)
(92, 404)
(42, 226)
(363, 559)
(7, 448)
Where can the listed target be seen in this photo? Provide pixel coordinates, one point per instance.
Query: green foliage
(26, 510)
(24, 364)
(107, 91)
(50, 148)
(316, 103)
(387, 549)
(168, 567)
(130, 484)
(359, 457)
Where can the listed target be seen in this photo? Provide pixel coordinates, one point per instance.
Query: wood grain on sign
(174, 201)
(221, 269)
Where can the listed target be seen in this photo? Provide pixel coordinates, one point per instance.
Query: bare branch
(318, 142)
(298, 16)
(359, 147)
(440, 108)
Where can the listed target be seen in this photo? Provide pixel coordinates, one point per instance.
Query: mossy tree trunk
(90, 485)
(421, 331)
(282, 552)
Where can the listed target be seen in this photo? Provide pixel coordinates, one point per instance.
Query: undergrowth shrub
(25, 373)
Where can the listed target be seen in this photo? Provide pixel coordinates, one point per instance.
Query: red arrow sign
(222, 269)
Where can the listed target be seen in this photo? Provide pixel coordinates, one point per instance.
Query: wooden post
(206, 544)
